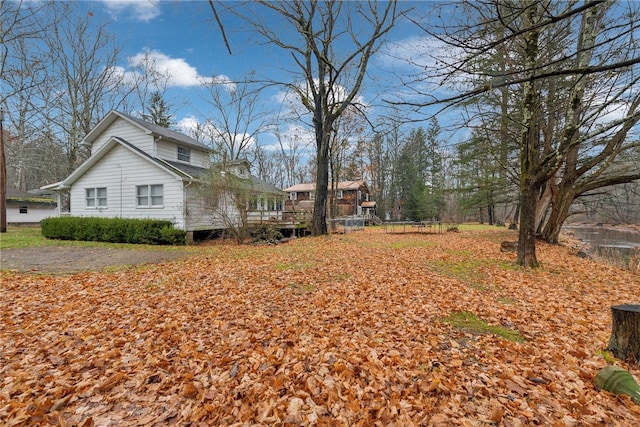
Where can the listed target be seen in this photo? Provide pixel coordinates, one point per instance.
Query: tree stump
(625, 332)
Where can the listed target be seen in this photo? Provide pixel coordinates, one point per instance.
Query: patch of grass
(301, 265)
(411, 244)
(509, 301)
(463, 252)
(629, 261)
(468, 321)
(467, 271)
(470, 271)
(24, 237)
(479, 227)
(607, 356)
(339, 277)
(302, 288)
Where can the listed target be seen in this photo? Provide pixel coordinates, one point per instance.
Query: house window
(96, 197)
(293, 195)
(312, 195)
(339, 194)
(149, 196)
(184, 154)
(24, 209)
(278, 205)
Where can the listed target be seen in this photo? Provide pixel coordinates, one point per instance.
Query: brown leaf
(110, 382)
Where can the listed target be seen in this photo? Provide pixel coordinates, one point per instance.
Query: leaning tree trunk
(625, 332)
(560, 206)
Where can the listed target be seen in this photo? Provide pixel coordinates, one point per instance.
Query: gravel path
(56, 259)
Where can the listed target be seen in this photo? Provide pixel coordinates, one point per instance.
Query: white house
(141, 170)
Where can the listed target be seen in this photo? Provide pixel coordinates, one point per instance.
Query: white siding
(120, 171)
(202, 216)
(35, 213)
(125, 130)
(169, 151)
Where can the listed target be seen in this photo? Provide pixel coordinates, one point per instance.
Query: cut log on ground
(625, 332)
(507, 246)
(618, 381)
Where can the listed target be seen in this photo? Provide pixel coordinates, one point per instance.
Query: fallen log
(618, 381)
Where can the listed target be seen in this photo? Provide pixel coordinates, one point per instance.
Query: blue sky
(186, 43)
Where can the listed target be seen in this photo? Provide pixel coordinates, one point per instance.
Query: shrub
(173, 236)
(114, 230)
(265, 234)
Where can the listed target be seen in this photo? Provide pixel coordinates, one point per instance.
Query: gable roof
(178, 172)
(247, 182)
(264, 186)
(342, 185)
(147, 127)
(32, 197)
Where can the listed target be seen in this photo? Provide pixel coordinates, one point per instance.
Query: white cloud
(139, 10)
(176, 72)
(291, 104)
(209, 134)
(188, 125)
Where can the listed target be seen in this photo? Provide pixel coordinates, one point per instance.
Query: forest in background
(546, 94)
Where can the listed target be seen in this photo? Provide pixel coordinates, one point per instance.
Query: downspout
(155, 145)
(184, 204)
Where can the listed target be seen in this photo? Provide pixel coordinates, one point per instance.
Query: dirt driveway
(57, 259)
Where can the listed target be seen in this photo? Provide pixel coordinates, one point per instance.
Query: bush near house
(265, 234)
(114, 230)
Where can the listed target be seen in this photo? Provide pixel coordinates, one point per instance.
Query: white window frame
(149, 198)
(339, 194)
(293, 195)
(184, 154)
(23, 210)
(95, 198)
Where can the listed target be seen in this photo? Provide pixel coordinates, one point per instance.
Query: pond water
(605, 240)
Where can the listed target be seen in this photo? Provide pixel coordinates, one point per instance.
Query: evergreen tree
(159, 111)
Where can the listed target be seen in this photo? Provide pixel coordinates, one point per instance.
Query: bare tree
(347, 129)
(327, 44)
(237, 117)
(82, 57)
(561, 137)
(147, 83)
(227, 199)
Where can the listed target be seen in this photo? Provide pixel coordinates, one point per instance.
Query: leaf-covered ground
(344, 330)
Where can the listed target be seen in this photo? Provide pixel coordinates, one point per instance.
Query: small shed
(29, 207)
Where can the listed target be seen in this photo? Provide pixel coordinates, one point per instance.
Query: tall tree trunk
(527, 232)
(322, 182)
(529, 168)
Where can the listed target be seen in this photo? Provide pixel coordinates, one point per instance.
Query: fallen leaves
(346, 330)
